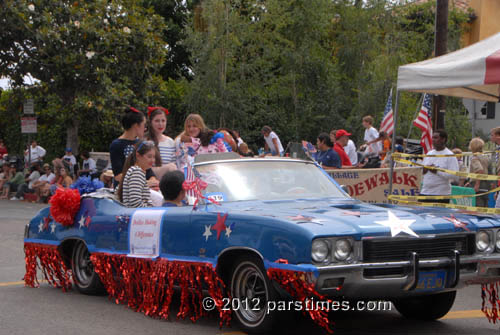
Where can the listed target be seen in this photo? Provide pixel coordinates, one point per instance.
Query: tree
(92, 56)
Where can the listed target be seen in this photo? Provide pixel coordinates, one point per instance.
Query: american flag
(189, 175)
(387, 124)
(308, 147)
(424, 123)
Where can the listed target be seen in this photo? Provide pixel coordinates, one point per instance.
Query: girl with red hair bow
(165, 146)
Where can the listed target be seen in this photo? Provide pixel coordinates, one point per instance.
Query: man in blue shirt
(325, 156)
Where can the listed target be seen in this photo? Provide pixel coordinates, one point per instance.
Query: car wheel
(427, 307)
(251, 290)
(86, 279)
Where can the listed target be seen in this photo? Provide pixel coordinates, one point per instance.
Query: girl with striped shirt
(133, 190)
(165, 146)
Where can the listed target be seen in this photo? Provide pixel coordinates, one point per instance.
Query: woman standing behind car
(133, 190)
(165, 155)
(479, 164)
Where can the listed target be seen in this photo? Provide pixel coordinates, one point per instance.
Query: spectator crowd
(147, 166)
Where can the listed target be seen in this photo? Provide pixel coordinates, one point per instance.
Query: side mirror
(344, 187)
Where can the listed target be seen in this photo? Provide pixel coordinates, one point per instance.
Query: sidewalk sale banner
(372, 185)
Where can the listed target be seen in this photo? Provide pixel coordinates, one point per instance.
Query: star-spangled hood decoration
(397, 225)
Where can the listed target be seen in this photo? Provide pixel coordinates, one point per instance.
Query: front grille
(398, 249)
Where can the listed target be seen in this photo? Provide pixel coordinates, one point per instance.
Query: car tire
(86, 279)
(428, 307)
(251, 289)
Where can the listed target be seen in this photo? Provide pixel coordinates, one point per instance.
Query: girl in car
(165, 155)
(133, 190)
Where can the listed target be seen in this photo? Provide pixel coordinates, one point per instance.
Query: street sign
(28, 125)
(29, 107)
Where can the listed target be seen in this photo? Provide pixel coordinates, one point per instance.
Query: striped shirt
(135, 189)
(167, 151)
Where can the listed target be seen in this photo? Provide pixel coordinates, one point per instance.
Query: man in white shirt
(371, 137)
(70, 159)
(44, 181)
(438, 182)
(88, 165)
(34, 153)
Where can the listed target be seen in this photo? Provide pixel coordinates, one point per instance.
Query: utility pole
(440, 48)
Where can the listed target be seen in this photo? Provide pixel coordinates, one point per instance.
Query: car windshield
(265, 180)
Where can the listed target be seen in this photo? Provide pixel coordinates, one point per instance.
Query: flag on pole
(387, 124)
(190, 176)
(424, 123)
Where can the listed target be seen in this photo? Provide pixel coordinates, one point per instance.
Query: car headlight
(343, 249)
(319, 251)
(482, 241)
(498, 240)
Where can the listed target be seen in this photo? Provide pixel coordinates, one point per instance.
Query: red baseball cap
(341, 133)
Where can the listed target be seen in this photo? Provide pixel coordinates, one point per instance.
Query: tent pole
(391, 162)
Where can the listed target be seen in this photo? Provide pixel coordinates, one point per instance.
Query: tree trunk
(72, 136)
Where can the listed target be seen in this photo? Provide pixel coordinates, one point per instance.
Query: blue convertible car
(266, 230)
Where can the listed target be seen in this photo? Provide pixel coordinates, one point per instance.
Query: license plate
(431, 280)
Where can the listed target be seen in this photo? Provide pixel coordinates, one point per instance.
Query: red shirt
(344, 159)
(3, 151)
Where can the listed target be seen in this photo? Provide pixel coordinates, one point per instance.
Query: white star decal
(40, 227)
(82, 222)
(397, 225)
(228, 231)
(52, 228)
(207, 232)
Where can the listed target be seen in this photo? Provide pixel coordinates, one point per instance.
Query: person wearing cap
(34, 153)
(325, 156)
(70, 160)
(341, 140)
(42, 185)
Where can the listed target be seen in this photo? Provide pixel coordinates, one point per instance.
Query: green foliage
(301, 67)
(91, 57)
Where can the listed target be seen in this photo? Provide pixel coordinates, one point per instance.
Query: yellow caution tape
(401, 154)
(437, 204)
(440, 197)
(477, 176)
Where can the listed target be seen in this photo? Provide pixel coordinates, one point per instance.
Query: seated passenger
(325, 156)
(171, 188)
(133, 190)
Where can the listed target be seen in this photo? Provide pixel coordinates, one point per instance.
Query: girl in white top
(188, 142)
(273, 143)
(133, 190)
(165, 153)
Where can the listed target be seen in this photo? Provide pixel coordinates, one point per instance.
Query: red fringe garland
(147, 286)
(49, 260)
(295, 284)
(489, 294)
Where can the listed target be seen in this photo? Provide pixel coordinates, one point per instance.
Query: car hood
(338, 217)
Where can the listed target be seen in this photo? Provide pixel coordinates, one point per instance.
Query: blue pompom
(216, 137)
(85, 185)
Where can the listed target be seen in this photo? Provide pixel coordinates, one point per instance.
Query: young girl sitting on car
(133, 190)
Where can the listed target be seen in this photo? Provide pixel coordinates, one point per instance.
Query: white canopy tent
(472, 72)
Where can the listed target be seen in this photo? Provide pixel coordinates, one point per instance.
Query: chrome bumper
(353, 280)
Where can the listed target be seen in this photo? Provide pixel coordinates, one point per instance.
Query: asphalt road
(46, 310)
